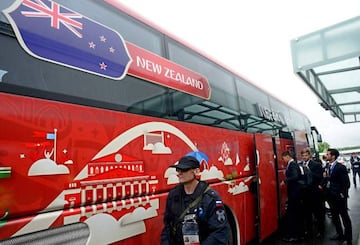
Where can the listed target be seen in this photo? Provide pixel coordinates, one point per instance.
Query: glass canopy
(328, 61)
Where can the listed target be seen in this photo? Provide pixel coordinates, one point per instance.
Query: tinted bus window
(222, 82)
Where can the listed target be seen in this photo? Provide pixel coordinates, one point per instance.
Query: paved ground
(354, 206)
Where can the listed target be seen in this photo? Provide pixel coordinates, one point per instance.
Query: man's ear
(197, 171)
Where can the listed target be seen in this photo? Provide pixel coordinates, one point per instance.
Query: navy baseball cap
(186, 163)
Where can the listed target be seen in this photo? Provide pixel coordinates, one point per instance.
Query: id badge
(190, 230)
(191, 240)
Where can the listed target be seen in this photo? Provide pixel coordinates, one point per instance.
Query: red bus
(97, 103)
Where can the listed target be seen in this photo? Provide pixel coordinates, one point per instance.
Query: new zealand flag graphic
(54, 33)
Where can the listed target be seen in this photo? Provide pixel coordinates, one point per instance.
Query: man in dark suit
(355, 166)
(338, 187)
(294, 225)
(314, 203)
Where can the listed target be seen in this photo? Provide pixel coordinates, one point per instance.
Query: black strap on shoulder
(194, 203)
(191, 205)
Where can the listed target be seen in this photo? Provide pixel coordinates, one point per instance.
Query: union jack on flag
(49, 31)
(41, 10)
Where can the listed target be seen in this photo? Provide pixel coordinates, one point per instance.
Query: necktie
(331, 168)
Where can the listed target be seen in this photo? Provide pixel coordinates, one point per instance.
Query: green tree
(323, 146)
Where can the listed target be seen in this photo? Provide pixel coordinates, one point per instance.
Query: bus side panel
(267, 185)
(113, 222)
(242, 204)
(62, 157)
(244, 197)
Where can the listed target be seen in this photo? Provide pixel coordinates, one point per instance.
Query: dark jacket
(355, 163)
(339, 181)
(293, 176)
(211, 217)
(316, 173)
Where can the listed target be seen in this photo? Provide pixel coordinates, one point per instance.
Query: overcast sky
(253, 38)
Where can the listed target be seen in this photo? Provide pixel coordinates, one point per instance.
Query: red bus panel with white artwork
(127, 181)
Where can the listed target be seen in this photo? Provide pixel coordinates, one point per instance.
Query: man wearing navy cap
(194, 212)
